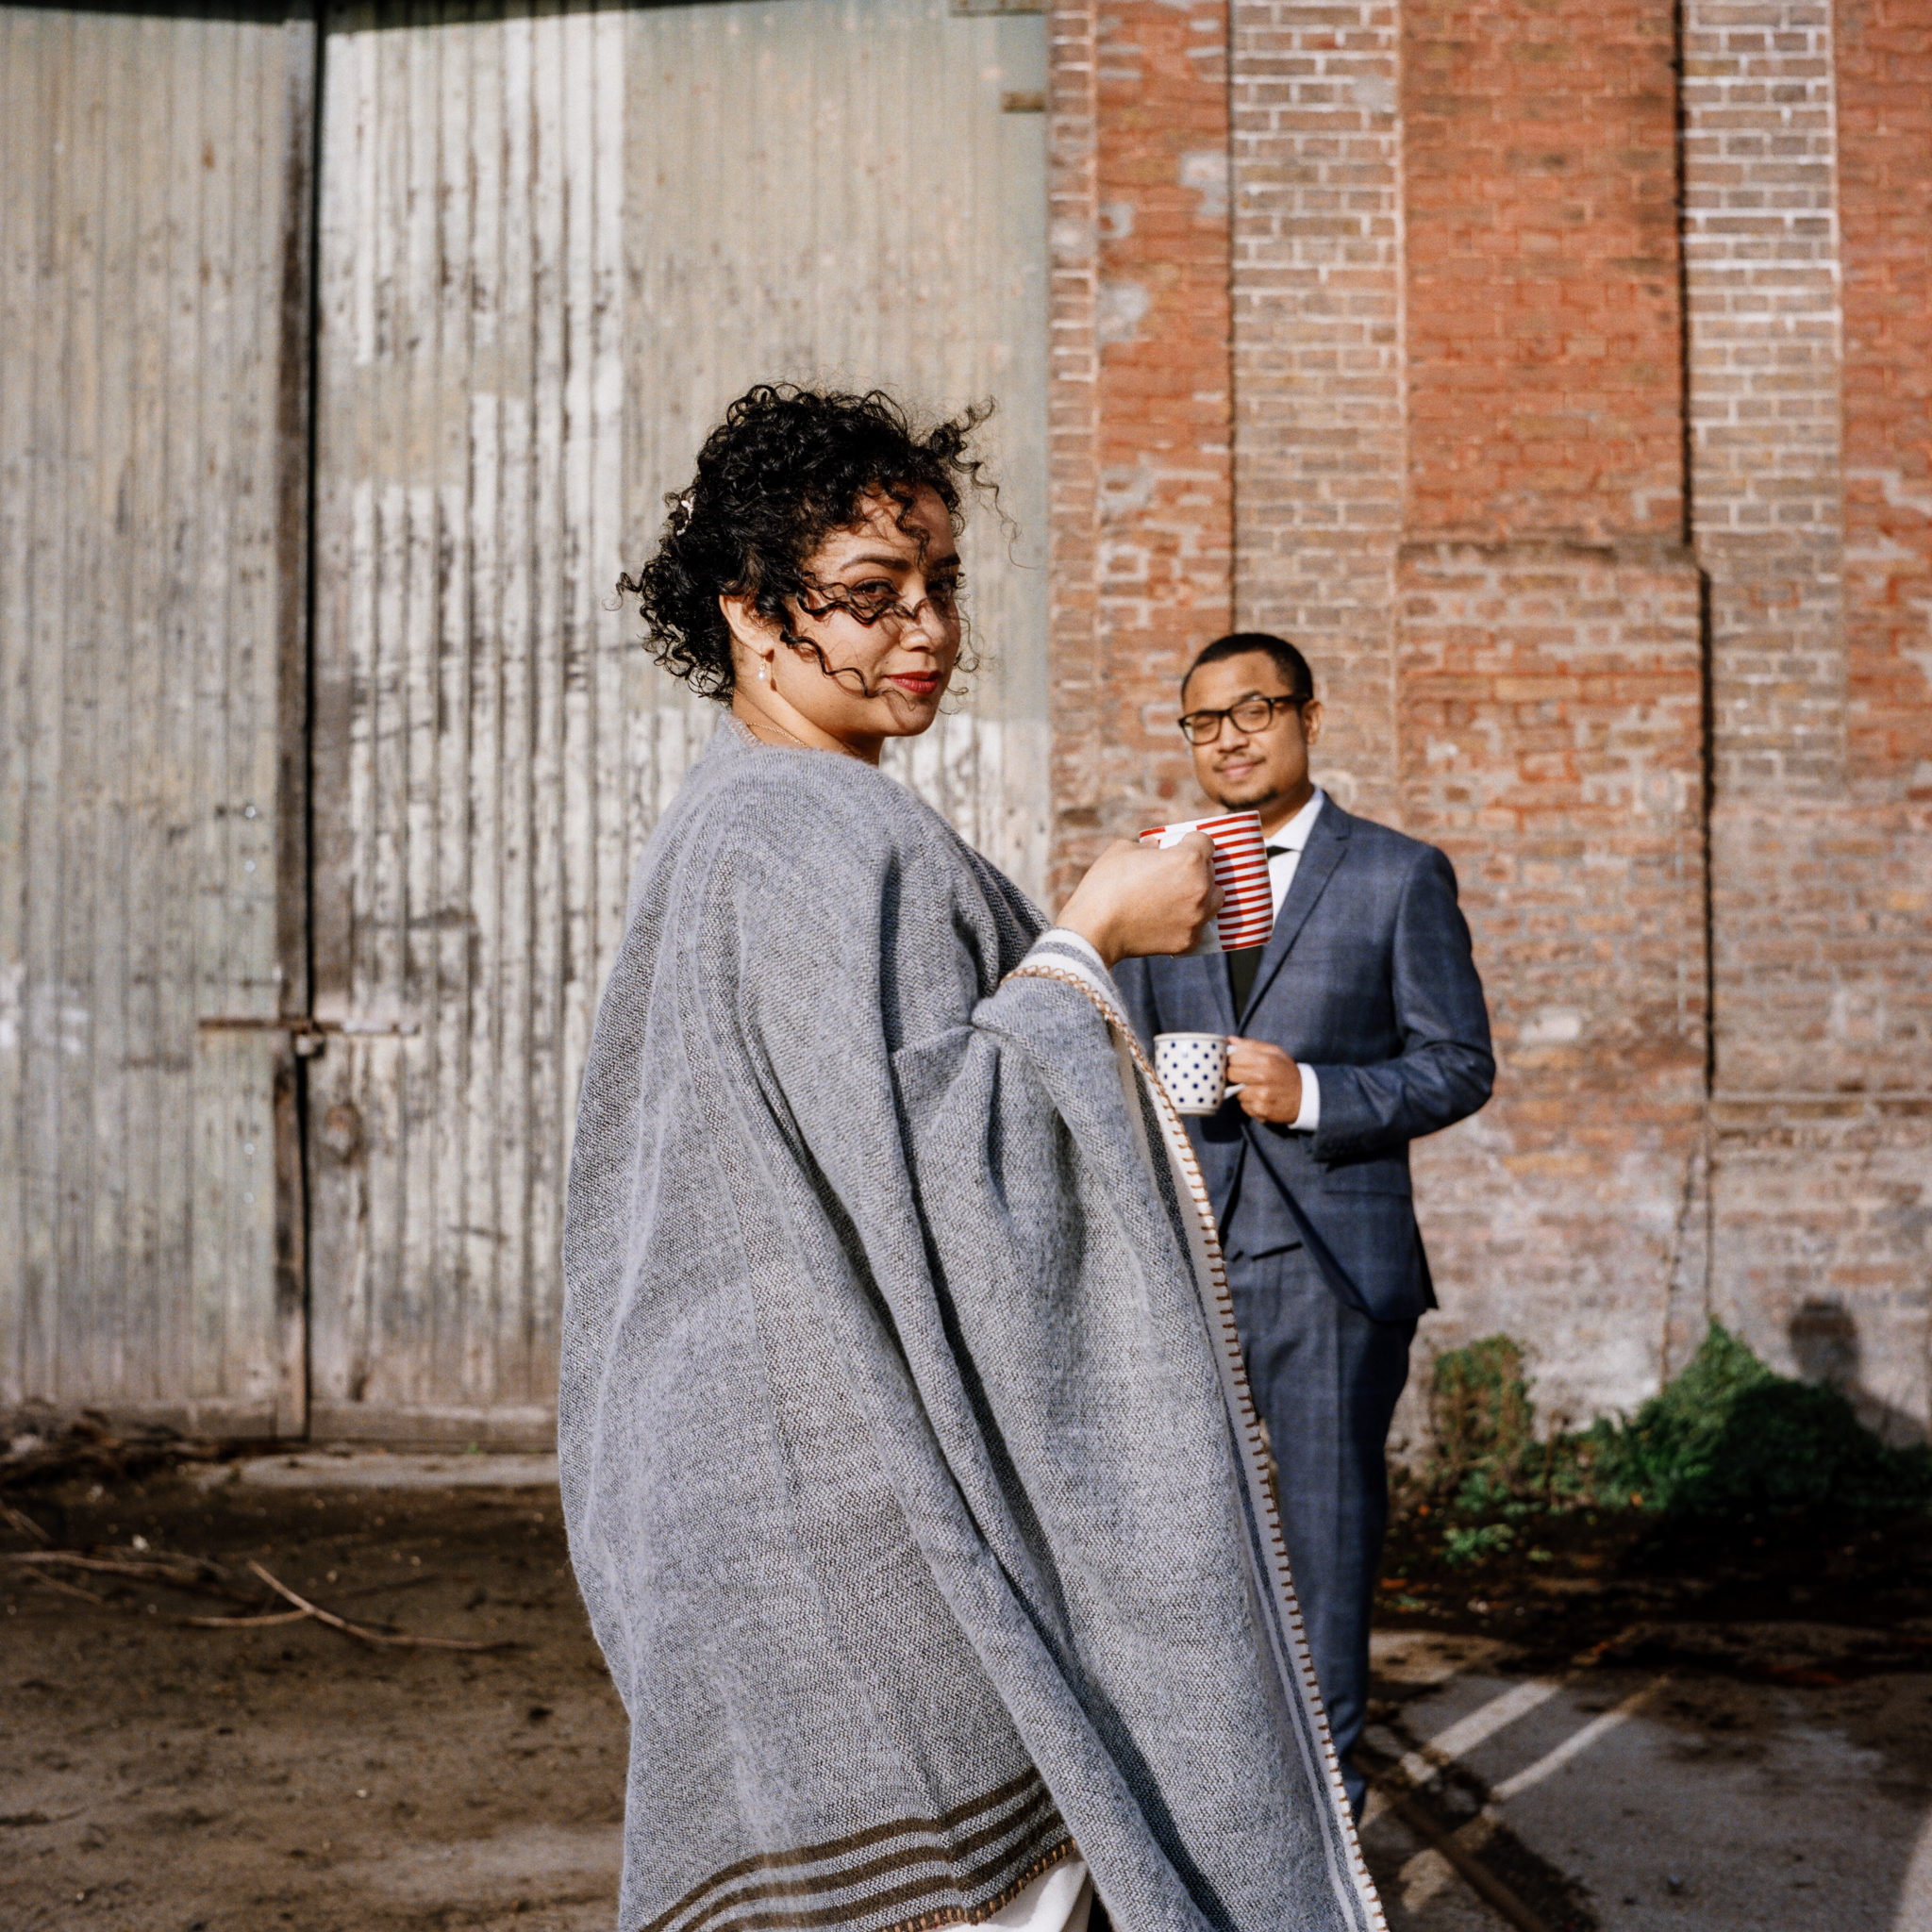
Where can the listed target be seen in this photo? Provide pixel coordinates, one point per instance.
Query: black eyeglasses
(874, 607)
(1251, 714)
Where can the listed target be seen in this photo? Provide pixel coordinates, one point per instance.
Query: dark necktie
(1244, 965)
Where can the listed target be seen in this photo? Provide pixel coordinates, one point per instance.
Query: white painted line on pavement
(1433, 1754)
(1577, 1742)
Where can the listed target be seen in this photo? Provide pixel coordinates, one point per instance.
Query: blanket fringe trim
(1015, 1820)
(1226, 1339)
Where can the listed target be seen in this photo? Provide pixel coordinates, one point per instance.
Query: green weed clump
(1479, 1407)
(1731, 1436)
(1727, 1437)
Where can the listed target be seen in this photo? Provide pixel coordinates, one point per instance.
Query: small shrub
(1727, 1437)
(1730, 1436)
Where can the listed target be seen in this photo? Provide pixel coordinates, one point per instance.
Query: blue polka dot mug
(1193, 1069)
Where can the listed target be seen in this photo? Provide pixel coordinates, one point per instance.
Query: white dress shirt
(1287, 846)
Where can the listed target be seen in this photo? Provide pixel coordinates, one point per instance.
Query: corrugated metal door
(155, 205)
(553, 246)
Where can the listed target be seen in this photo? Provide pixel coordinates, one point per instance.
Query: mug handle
(1227, 1092)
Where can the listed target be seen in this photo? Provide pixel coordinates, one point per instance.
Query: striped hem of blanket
(908, 1876)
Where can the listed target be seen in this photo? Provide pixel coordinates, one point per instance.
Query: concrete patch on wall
(1204, 172)
(1122, 308)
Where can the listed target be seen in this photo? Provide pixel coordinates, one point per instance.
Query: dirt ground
(249, 1778)
(241, 1780)
(1627, 1587)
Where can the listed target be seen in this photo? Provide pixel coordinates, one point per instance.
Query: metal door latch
(309, 1036)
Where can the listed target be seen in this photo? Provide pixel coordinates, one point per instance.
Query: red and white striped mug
(1241, 869)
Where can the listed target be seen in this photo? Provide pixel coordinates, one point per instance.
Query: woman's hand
(1138, 899)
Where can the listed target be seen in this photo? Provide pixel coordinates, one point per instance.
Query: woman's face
(858, 682)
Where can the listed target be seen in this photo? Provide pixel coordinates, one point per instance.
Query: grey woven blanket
(910, 1485)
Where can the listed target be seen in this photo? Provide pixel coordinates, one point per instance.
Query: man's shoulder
(1372, 843)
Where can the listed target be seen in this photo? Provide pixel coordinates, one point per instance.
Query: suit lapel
(1326, 847)
(1221, 992)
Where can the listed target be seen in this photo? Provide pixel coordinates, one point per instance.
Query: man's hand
(1271, 1083)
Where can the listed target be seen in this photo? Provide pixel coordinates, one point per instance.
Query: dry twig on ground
(46, 1450)
(66, 1589)
(186, 1572)
(362, 1632)
(18, 1519)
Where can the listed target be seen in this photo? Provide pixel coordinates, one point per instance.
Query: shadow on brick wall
(1825, 1345)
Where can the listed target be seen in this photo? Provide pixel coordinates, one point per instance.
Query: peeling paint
(1119, 309)
(1204, 172)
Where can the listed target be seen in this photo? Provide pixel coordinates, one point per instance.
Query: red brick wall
(1582, 434)
(1815, 467)
(1807, 203)
(1820, 1204)
(1549, 684)
(1885, 137)
(1885, 191)
(1542, 338)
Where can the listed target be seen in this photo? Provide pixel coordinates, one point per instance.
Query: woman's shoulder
(804, 805)
(803, 841)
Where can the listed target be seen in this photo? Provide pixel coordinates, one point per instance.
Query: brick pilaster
(1142, 401)
(1761, 276)
(1077, 667)
(1317, 317)
(1811, 290)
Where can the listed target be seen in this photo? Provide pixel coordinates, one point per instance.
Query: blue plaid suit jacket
(1369, 979)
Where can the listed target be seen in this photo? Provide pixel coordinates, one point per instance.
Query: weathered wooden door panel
(154, 190)
(838, 193)
(474, 697)
(553, 246)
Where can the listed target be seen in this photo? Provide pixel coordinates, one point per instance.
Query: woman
(908, 1472)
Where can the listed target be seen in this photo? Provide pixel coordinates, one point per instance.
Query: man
(1357, 1028)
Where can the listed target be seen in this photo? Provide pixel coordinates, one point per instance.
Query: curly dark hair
(786, 468)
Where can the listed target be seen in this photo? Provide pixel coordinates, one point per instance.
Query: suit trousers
(1326, 1378)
